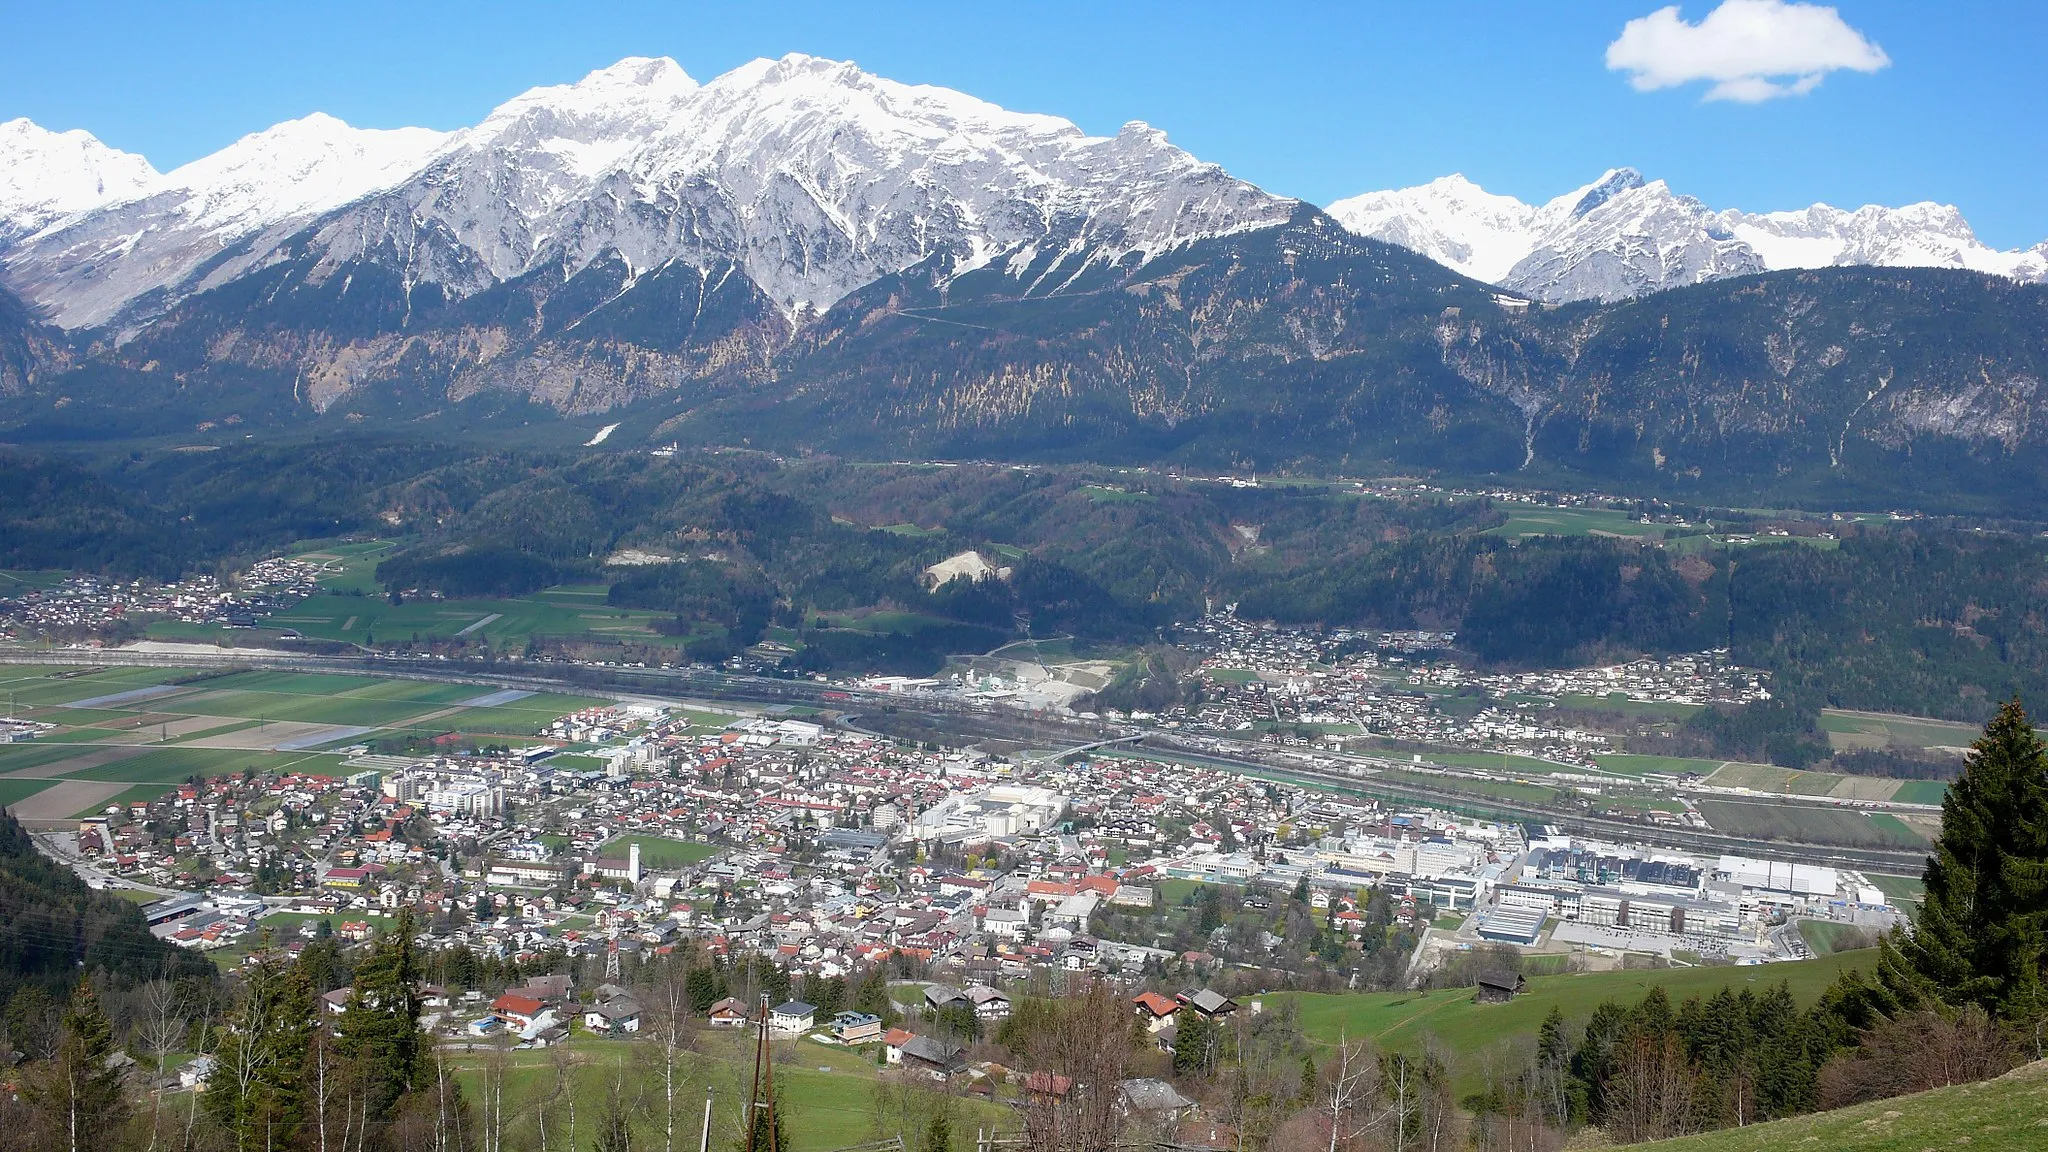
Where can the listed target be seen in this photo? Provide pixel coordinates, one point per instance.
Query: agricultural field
(348, 567)
(2009, 1114)
(1620, 702)
(1807, 824)
(1920, 792)
(14, 580)
(1495, 789)
(356, 615)
(1104, 495)
(1401, 1020)
(13, 790)
(1635, 765)
(1496, 762)
(1876, 730)
(1525, 520)
(45, 685)
(128, 734)
(1903, 891)
(522, 717)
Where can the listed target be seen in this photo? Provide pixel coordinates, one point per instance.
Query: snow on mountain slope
(185, 229)
(812, 175)
(45, 175)
(1450, 220)
(1917, 235)
(1621, 236)
(296, 169)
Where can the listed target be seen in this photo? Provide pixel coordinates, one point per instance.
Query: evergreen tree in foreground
(258, 1090)
(1979, 938)
(380, 1035)
(77, 1095)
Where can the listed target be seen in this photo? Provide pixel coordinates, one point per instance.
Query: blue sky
(1311, 100)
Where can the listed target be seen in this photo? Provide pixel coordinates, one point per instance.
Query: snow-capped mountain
(812, 176)
(46, 175)
(191, 228)
(1621, 236)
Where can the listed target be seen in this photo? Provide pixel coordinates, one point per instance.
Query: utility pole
(761, 1108)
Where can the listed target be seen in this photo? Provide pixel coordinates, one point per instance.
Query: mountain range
(800, 254)
(1622, 236)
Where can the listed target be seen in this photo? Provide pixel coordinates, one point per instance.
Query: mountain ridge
(802, 255)
(815, 176)
(1622, 236)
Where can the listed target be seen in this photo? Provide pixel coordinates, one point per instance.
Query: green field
(1495, 789)
(659, 852)
(1401, 1020)
(1921, 792)
(250, 707)
(173, 764)
(826, 1093)
(46, 686)
(1803, 824)
(522, 717)
(1102, 495)
(346, 567)
(15, 757)
(1876, 730)
(1827, 937)
(15, 791)
(1231, 675)
(140, 793)
(2009, 1114)
(570, 610)
(1635, 765)
(1903, 891)
(13, 580)
(1619, 702)
(1493, 762)
(1524, 520)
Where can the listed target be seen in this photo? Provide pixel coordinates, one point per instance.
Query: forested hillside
(1933, 619)
(53, 929)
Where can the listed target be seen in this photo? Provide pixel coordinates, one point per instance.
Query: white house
(793, 1018)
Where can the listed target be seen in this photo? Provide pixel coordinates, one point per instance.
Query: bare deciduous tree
(1351, 1082)
(1087, 1043)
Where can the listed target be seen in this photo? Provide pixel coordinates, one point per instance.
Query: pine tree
(380, 1035)
(1979, 937)
(76, 1096)
(258, 1090)
(1553, 1045)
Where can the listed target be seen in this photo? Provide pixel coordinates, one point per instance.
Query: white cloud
(1751, 50)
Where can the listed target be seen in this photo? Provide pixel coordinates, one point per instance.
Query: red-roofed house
(1155, 1010)
(516, 1010)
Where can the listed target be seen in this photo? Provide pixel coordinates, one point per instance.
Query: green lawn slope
(2009, 1114)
